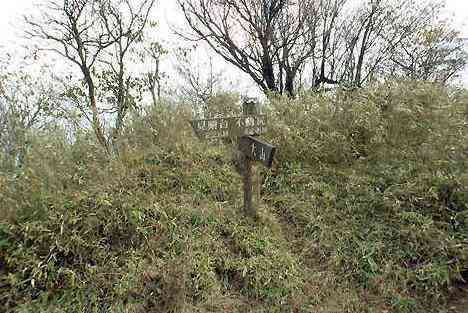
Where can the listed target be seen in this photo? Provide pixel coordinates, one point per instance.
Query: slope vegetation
(365, 210)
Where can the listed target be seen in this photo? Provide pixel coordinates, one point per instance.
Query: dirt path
(330, 293)
(459, 303)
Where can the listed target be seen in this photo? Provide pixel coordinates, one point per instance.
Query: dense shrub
(381, 185)
(365, 210)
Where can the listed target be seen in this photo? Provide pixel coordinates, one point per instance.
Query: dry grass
(365, 211)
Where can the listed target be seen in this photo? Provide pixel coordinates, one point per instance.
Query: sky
(12, 10)
(167, 14)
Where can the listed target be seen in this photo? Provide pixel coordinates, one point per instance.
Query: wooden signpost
(253, 149)
(257, 150)
(243, 129)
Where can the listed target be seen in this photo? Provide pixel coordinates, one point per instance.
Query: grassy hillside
(365, 210)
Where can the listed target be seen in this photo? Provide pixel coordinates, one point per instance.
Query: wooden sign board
(252, 149)
(229, 127)
(257, 150)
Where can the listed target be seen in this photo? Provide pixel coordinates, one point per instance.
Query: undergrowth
(364, 210)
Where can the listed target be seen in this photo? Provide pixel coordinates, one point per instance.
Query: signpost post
(253, 149)
(244, 130)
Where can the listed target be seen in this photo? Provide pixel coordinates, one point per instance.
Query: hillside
(364, 210)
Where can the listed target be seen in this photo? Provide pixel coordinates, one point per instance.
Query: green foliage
(381, 185)
(365, 210)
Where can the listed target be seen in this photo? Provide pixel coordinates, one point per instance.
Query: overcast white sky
(11, 11)
(167, 13)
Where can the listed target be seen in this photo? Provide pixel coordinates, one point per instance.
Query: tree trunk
(153, 94)
(269, 75)
(267, 68)
(98, 130)
(97, 127)
(362, 52)
(289, 84)
(156, 83)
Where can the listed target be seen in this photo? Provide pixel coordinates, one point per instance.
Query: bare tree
(199, 80)
(74, 29)
(89, 33)
(267, 39)
(379, 27)
(434, 53)
(359, 42)
(153, 78)
(378, 38)
(27, 102)
(124, 23)
(329, 13)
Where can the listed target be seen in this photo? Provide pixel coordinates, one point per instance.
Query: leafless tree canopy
(153, 52)
(269, 40)
(199, 82)
(283, 43)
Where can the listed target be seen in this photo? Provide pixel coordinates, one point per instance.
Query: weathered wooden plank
(229, 127)
(257, 150)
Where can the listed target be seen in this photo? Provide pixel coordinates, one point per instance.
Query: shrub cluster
(365, 210)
